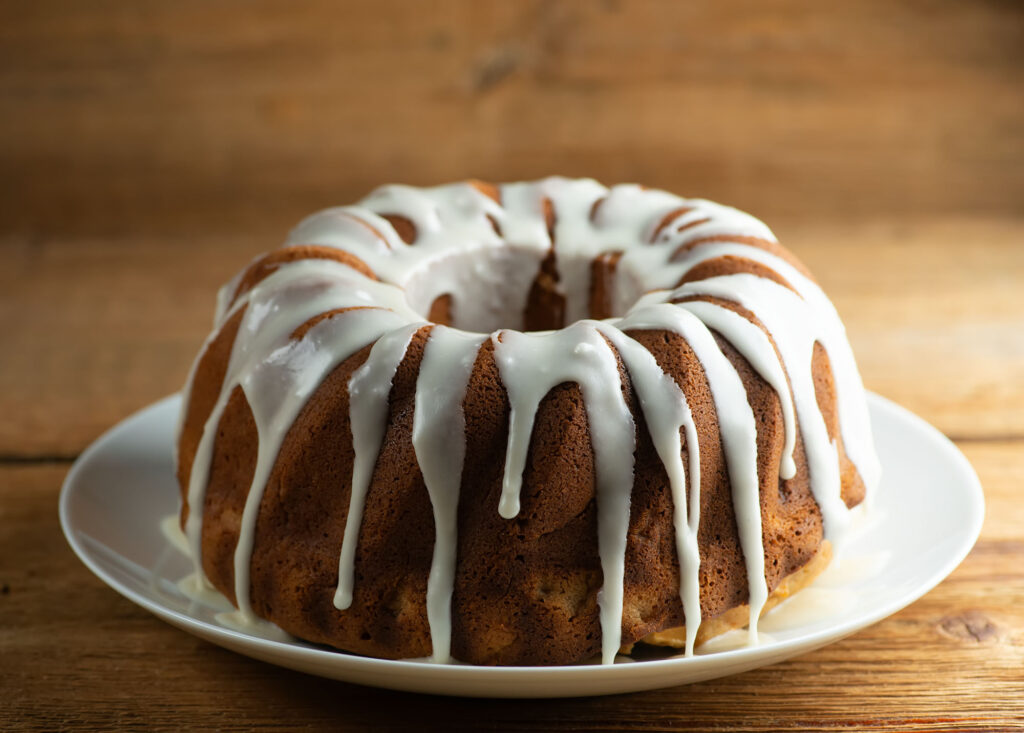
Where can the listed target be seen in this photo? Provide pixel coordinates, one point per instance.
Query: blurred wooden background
(198, 116)
(148, 150)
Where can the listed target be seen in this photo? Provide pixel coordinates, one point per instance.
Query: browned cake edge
(738, 617)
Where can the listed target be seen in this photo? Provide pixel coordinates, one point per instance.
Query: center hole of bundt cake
(516, 288)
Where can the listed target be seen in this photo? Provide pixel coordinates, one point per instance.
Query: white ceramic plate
(924, 520)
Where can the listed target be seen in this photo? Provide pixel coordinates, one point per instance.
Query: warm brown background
(148, 150)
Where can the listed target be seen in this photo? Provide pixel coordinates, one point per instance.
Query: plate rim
(396, 673)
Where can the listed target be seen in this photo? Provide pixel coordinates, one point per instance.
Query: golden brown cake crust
(738, 616)
(525, 589)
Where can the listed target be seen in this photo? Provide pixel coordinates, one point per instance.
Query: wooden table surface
(148, 151)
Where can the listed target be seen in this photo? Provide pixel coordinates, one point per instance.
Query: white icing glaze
(852, 402)
(170, 528)
(369, 390)
(738, 430)
(666, 410)
(458, 251)
(531, 365)
(438, 437)
(730, 641)
(796, 329)
(201, 593)
(752, 342)
(277, 390)
(264, 357)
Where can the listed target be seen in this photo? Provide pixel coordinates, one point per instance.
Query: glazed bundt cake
(520, 424)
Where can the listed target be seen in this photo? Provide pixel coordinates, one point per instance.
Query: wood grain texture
(952, 660)
(149, 150)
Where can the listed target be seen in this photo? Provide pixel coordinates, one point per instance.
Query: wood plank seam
(8, 459)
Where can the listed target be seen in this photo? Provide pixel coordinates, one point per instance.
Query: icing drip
(531, 365)
(484, 255)
(666, 410)
(369, 390)
(796, 328)
(855, 425)
(752, 342)
(438, 437)
(739, 437)
(277, 390)
(278, 305)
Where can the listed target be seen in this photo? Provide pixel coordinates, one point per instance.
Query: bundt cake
(520, 424)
